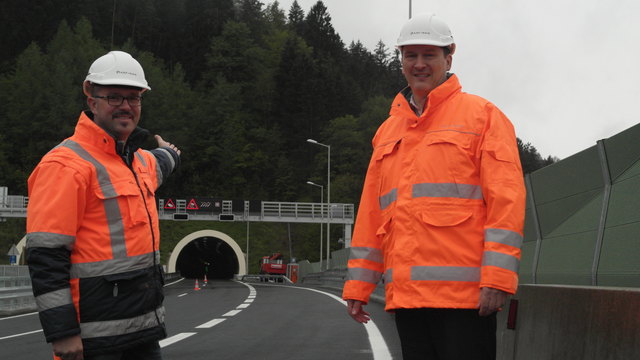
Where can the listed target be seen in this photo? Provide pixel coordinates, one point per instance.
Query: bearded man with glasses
(92, 225)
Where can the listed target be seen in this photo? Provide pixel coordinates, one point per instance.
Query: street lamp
(321, 213)
(328, 192)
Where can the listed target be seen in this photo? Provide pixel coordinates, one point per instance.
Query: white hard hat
(116, 68)
(425, 29)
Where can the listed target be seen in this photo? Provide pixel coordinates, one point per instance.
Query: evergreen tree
(296, 18)
(530, 159)
(320, 34)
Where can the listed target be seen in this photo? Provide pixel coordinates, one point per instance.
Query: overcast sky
(566, 72)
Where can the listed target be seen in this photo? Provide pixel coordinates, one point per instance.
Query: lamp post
(321, 213)
(328, 192)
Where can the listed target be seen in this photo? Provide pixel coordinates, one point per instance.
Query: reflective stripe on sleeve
(54, 299)
(366, 275)
(122, 326)
(366, 253)
(173, 162)
(113, 266)
(388, 198)
(388, 276)
(159, 177)
(50, 240)
(445, 273)
(502, 236)
(111, 207)
(141, 159)
(505, 261)
(462, 191)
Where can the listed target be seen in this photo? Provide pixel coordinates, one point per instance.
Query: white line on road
(243, 306)
(16, 335)
(17, 316)
(210, 324)
(175, 338)
(181, 295)
(378, 345)
(175, 282)
(232, 313)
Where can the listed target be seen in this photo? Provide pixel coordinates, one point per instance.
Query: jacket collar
(401, 106)
(88, 131)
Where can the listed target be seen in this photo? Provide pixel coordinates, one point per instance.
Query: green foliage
(238, 87)
(530, 158)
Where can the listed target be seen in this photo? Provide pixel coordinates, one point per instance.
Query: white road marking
(181, 295)
(210, 324)
(16, 335)
(243, 306)
(248, 300)
(378, 345)
(232, 313)
(175, 282)
(175, 338)
(17, 316)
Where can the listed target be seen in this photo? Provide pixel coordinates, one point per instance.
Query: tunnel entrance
(207, 252)
(207, 255)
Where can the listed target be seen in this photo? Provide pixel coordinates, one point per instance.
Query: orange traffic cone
(196, 287)
(205, 279)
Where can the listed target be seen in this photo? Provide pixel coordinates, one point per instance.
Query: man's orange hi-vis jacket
(442, 209)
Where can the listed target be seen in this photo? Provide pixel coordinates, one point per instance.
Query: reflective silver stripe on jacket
(505, 261)
(462, 191)
(140, 158)
(158, 169)
(388, 276)
(159, 175)
(445, 273)
(502, 236)
(366, 275)
(113, 266)
(54, 299)
(173, 162)
(111, 207)
(50, 240)
(388, 198)
(366, 253)
(122, 326)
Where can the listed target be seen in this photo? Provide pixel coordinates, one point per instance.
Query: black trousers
(148, 351)
(446, 334)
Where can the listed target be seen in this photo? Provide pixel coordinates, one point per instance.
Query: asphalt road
(234, 320)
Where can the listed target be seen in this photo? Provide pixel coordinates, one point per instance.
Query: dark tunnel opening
(208, 255)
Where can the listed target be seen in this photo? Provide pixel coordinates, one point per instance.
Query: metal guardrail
(337, 213)
(307, 210)
(16, 295)
(13, 206)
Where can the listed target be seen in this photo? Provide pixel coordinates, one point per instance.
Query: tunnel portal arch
(233, 248)
(220, 238)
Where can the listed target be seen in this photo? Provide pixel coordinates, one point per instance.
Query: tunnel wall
(173, 259)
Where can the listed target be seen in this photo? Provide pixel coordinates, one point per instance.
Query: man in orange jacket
(92, 225)
(442, 208)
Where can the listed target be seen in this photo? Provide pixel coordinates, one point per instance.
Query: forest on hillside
(238, 85)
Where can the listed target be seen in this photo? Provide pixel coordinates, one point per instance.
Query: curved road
(235, 320)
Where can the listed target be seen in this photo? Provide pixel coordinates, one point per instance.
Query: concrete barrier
(572, 322)
(552, 322)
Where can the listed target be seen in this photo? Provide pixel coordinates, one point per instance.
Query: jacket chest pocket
(123, 200)
(388, 167)
(447, 157)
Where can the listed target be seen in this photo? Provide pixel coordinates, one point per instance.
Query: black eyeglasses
(117, 100)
